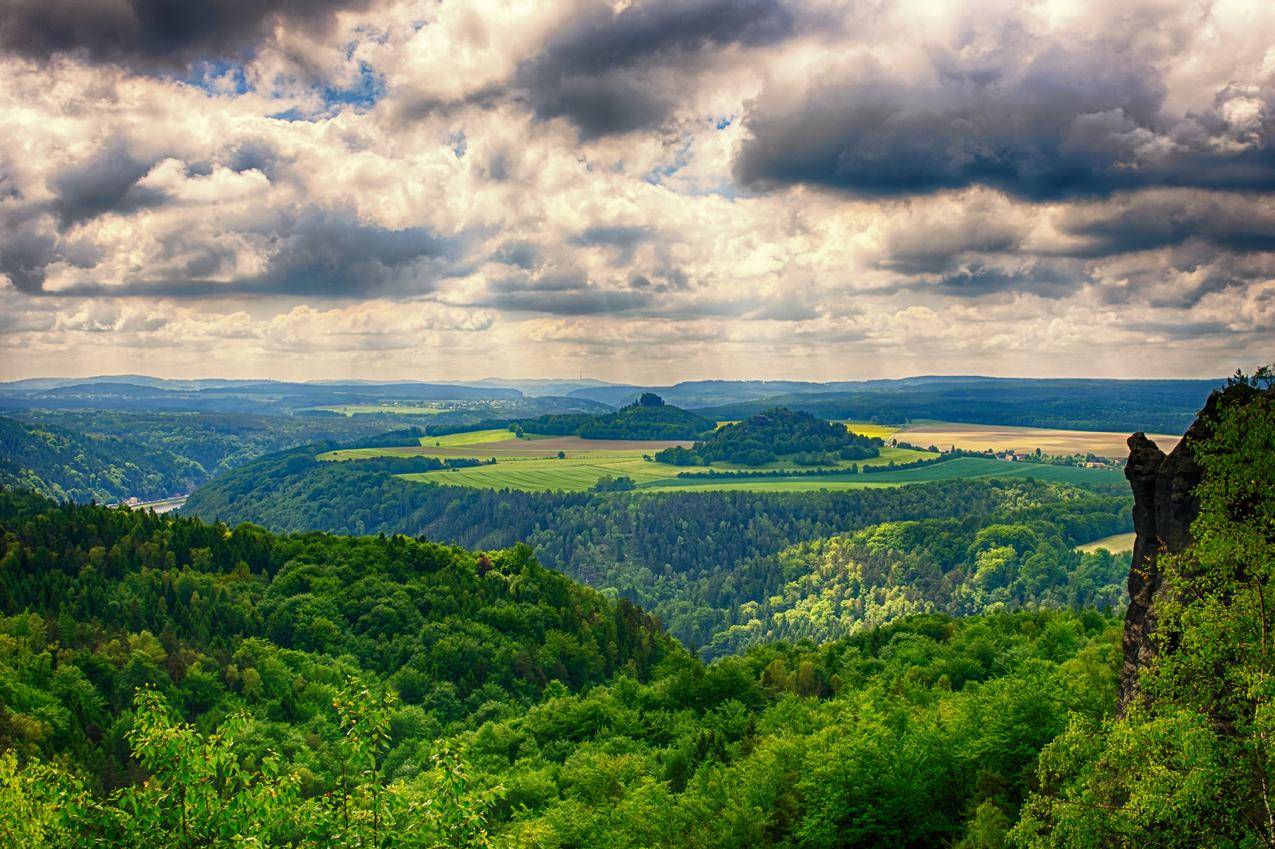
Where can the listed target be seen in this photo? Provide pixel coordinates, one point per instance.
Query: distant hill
(701, 393)
(1081, 404)
(535, 388)
(1163, 406)
(249, 396)
(776, 433)
(111, 455)
(648, 417)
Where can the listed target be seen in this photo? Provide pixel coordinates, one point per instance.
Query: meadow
(569, 463)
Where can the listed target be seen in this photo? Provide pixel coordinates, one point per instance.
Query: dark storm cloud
(1150, 220)
(255, 155)
(153, 33)
(24, 253)
(576, 302)
(1063, 124)
(316, 253)
(29, 243)
(610, 73)
(105, 182)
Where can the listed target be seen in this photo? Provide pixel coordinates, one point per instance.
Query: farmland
(533, 464)
(1116, 544)
(974, 437)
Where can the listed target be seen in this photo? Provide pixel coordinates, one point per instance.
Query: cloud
(1068, 122)
(750, 188)
(623, 241)
(1154, 219)
(314, 252)
(568, 293)
(611, 72)
(105, 182)
(149, 34)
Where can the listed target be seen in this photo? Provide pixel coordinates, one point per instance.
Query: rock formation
(1164, 506)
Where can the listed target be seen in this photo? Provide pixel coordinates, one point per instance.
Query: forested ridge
(772, 434)
(109, 455)
(728, 569)
(197, 611)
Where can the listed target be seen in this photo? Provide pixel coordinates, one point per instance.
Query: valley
(542, 621)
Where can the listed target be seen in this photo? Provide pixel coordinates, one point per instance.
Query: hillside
(167, 682)
(68, 465)
(237, 396)
(111, 455)
(704, 561)
(773, 434)
(216, 620)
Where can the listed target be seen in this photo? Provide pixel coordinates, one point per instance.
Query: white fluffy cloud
(647, 190)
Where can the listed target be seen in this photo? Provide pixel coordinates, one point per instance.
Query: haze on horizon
(644, 191)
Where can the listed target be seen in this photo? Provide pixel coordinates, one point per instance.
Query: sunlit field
(976, 437)
(532, 463)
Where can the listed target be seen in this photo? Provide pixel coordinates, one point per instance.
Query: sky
(641, 191)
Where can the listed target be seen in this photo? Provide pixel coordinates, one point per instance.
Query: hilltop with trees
(774, 434)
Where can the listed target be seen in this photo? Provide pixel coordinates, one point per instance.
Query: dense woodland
(732, 567)
(384, 691)
(776, 433)
(310, 690)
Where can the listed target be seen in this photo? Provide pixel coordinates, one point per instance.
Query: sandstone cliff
(1164, 507)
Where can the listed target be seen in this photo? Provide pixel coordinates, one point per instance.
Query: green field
(533, 464)
(1116, 544)
(581, 473)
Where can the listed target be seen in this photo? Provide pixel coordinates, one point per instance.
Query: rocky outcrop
(1164, 506)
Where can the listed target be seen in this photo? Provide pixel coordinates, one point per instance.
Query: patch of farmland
(580, 473)
(872, 429)
(1116, 544)
(976, 437)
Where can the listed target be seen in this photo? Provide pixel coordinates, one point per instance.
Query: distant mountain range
(1084, 404)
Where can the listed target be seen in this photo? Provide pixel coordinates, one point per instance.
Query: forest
(730, 566)
(772, 434)
(169, 682)
(133, 643)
